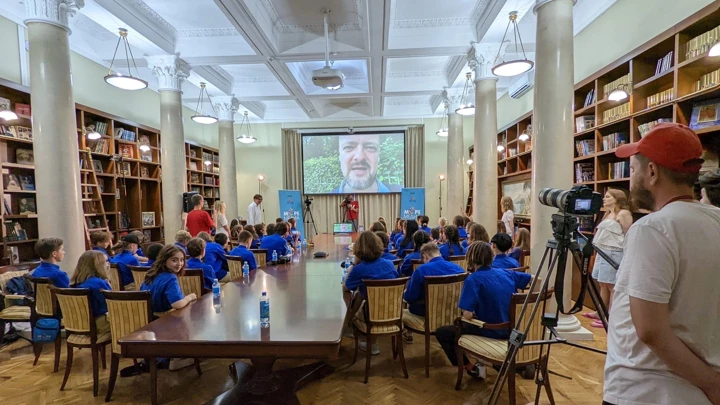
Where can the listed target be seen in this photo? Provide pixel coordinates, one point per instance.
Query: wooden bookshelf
(203, 172)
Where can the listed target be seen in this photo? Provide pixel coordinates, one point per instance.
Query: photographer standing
(352, 208)
(664, 328)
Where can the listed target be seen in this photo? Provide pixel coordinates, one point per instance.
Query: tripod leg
(546, 380)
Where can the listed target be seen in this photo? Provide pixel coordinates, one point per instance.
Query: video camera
(578, 201)
(308, 201)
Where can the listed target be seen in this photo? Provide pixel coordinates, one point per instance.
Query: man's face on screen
(359, 159)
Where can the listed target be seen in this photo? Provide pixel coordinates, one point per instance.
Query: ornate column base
(570, 328)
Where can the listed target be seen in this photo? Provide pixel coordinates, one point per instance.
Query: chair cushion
(85, 339)
(486, 347)
(377, 329)
(16, 313)
(414, 322)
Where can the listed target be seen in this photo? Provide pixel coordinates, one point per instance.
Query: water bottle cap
(264, 294)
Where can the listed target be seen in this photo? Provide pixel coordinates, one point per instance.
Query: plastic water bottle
(304, 243)
(274, 256)
(348, 263)
(264, 310)
(216, 294)
(246, 270)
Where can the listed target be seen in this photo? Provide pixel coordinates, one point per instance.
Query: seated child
(51, 252)
(215, 257)
(276, 242)
(181, 240)
(162, 281)
(139, 254)
(501, 243)
(242, 251)
(91, 273)
(451, 247)
(386, 251)
(256, 238)
(152, 253)
(101, 241)
(127, 247)
(419, 239)
(196, 251)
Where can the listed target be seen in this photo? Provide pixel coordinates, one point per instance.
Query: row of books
(209, 180)
(616, 113)
(14, 231)
(612, 141)
(101, 146)
(708, 80)
(101, 127)
(14, 182)
(211, 193)
(22, 109)
(618, 170)
(702, 43)
(647, 127)
(589, 98)
(207, 157)
(584, 122)
(26, 205)
(584, 172)
(623, 81)
(585, 147)
(660, 98)
(124, 134)
(665, 63)
(10, 131)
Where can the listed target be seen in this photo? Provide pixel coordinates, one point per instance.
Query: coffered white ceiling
(397, 55)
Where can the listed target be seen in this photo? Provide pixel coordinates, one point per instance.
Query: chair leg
(95, 367)
(368, 354)
(427, 355)
(197, 366)
(114, 363)
(356, 347)
(153, 380)
(394, 342)
(511, 384)
(58, 349)
(37, 350)
(68, 366)
(460, 365)
(102, 356)
(2, 330)
(401, 353)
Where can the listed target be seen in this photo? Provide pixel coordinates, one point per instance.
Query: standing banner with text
(412, 203)
(291, 207)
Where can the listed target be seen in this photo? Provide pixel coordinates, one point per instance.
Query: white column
(455, 175)
(226, 108)
(485, 191)
(553, 132)
(171, 71)
(57, 168)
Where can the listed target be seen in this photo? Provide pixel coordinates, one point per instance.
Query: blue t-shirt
(215, 258)
(406, 267)
(276, 243)
(487, 294)
(389, 256)
(97, 299)
(425, 229)
(503, 261)
(57, 277)
(247, 256)
(255, 244)
(446, 250)
(148, 263)
(208, 272)
(462, 232)
(122, 260)
(395, 233)
(415, 290)
(165, 290)
(515, 253)
(464, 244)
(99, 249)
(182, 247)
(397, 238)
(140, 252)
(401, 249)
(379, 269)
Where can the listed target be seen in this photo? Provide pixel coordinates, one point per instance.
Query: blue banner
(291, 207)
(412, 203)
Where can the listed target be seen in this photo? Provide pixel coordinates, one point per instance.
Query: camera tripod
(556, 253)
(308, 216)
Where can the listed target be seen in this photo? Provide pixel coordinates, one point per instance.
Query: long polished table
(307, 311)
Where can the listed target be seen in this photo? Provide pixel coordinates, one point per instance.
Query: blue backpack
(18, 286)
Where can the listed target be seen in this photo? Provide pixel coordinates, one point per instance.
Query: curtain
(415, 156)
(292, 158)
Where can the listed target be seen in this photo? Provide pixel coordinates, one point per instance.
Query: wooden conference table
(307, 311)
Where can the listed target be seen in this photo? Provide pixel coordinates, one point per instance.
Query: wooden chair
(115, 279)
(523, 269)
(79, 321)
(525, 258)
(260, 256)
(460, 260)
(138, 274)
(381, 314)
(12, 311)
(145, 247)
(393, 251)
(494, 351)
(408, 251)
(235, 264)
(416, 263)
(442, 294)
(397, 263)
(192, 282)
(44, 306)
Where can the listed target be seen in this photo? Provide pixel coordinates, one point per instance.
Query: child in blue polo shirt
(259, 233)
(162, 281)
(419, 239)
(215, 257)
(485, 296)
(242, 251)
(292, 222)
(101, 241)
(476, 233)
(397, 231)
(139, 254)
(459, 222)
(255, 244)
(127, 247)
(91, 273)
(51, 252)
(424, 221)
(152, 254)
(406, 241)
(451, 247)
(386, 251)
(501, 243)
(276, 242)
(196, 251)
(181, 240)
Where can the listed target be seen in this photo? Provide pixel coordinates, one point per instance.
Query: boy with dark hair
(386, 241)
(215, 257)
(243, 250)
(196, 251)
(501, 243)
(269, 230)
(152, 253)
(51, 253)
(139, 254)
(278, 220)
(275, 242)
(434, 265)
(198, 220)
(126, 249)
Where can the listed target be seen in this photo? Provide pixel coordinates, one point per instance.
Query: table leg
(259, 384)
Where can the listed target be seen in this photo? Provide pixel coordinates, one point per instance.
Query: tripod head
(564, 227)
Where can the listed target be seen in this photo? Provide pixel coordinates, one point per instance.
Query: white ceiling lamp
(443, 131)
(466, 106)
(714, 50)
(524, 137)
(500, 148)
(619, 93)
(119, 80)
(327, 77)
(246, 135)
(91, 134)
(516, 66)
(144, 147)
(199, 116)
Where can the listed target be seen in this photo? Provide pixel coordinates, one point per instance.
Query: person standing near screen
(359, 159)
(352, 208)
(254, 212)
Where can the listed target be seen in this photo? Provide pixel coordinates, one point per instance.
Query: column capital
(226, 107)
(453, 101)
(54, 12)
(540, 3)
(481, 58)
(170, 70)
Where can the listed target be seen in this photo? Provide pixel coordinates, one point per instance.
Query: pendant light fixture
(199, 117)
(120, 80)
(443, 131)
(246, 135)
(8, 115)
(619, 93)
(144, 147)
(516, 66)
(466, 107)
(91, 134)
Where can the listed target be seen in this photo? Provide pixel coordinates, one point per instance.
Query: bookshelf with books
(203, 172)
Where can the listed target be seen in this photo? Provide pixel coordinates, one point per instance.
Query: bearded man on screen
(359, 159)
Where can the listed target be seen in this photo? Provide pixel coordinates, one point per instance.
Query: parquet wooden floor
(23, 384)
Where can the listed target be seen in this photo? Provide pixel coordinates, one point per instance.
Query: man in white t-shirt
(664, 332)
(254, 212)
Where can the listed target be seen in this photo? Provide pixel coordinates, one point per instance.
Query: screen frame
(356, 131)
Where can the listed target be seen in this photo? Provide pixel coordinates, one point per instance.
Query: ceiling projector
(328, 78)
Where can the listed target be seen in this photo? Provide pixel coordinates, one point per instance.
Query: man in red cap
(663, 345)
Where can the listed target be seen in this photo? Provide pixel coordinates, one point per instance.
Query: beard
(361, 184)
(642, 197)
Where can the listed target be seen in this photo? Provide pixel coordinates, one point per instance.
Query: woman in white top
(221, 222)
(610, 237)
(508, 217)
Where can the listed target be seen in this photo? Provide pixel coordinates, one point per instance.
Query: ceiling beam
(377, 24)
(243, 21)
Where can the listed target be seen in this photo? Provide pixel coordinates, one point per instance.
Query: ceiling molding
(148, 12)
(207, 33)
(416, 73)
(256, 79)
(453, 67)
(256, 107)
(485, 14)
(406, 102)
(431, 23)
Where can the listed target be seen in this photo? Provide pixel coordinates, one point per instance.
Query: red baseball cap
(674, 146)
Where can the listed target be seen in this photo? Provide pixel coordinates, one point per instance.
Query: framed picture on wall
(521, 194)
